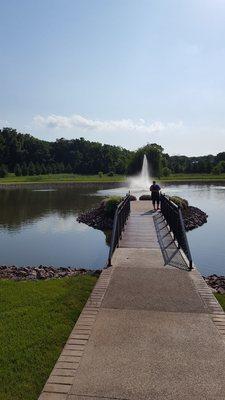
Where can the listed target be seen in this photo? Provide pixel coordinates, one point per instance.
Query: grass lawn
(221, 299)
(60, 178)
(193, 177)
(68, 178)
(36, 320)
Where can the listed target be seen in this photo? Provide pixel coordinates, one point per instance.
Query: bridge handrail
(173, 216)
(119, 221)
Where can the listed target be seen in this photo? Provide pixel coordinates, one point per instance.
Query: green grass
(193, 177)
(221, 299)
(69, 178)
(59, 178)
(36, 320)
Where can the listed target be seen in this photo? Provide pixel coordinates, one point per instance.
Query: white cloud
(4, 123)
(87, 124)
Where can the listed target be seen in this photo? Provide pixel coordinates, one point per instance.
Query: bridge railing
(173, 216)
(120, 218)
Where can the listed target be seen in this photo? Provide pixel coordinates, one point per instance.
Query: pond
(40, 227)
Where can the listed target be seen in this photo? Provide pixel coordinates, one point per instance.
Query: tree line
(25, 155)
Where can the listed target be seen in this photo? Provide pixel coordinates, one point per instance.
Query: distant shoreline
(56, 185)
(70, 180)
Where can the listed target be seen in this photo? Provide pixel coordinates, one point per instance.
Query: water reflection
(40, 227)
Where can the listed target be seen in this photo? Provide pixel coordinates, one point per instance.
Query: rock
(132, 197)
(193, 217)
(96, 218)
(41, 272)
(217, 283)
(145, 197)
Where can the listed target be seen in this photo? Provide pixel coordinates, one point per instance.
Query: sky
(123, 72)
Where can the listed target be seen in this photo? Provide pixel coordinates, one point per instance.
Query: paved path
(149, 331)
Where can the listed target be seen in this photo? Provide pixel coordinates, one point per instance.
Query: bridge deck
(151, 331)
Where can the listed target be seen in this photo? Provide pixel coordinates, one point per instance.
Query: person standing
(155, 194)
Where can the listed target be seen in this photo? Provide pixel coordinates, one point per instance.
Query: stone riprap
(96, 218)
(193, 218)
(41, 272)
(217, 283)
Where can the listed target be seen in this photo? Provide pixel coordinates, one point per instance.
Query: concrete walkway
(149, 331)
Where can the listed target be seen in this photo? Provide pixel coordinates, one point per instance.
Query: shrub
(43, 169)
(69, 169)
(49, 169)
(37, 169)
(111, 205)
(24, 169)
(182, 203)
(111, 173)
(17, 170)
(166, 171)
(145, 197)
(100, 174)
(31, 169)
(3, 171)
(217, 170)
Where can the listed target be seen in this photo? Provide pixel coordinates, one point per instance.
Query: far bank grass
(193, 178)
(36, 320)
(75, 178)
(60, 178)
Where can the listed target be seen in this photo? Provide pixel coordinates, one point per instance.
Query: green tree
(18, 170)
(217, 169)
(166, 171)
(24, 169)
(68, 169)
(43, 169)
(37, 169)
(3, 171)
(31, 169)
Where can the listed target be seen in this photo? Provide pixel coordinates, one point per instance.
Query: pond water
(40, 227)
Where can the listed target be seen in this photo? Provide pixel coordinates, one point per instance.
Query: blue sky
(123, 72)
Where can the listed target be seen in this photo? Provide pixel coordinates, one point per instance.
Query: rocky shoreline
(216, 282)
(193, 218)
(96, 218)
(42, 272)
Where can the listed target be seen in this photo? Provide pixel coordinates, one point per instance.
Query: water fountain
(140, 183)
(137, 185)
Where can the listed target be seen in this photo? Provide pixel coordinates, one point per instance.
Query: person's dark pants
(155, 200)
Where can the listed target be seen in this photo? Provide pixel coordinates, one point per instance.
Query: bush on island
(111, 173)
(182, 203)
(111, 204)
(145, 197)
(100, 174)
